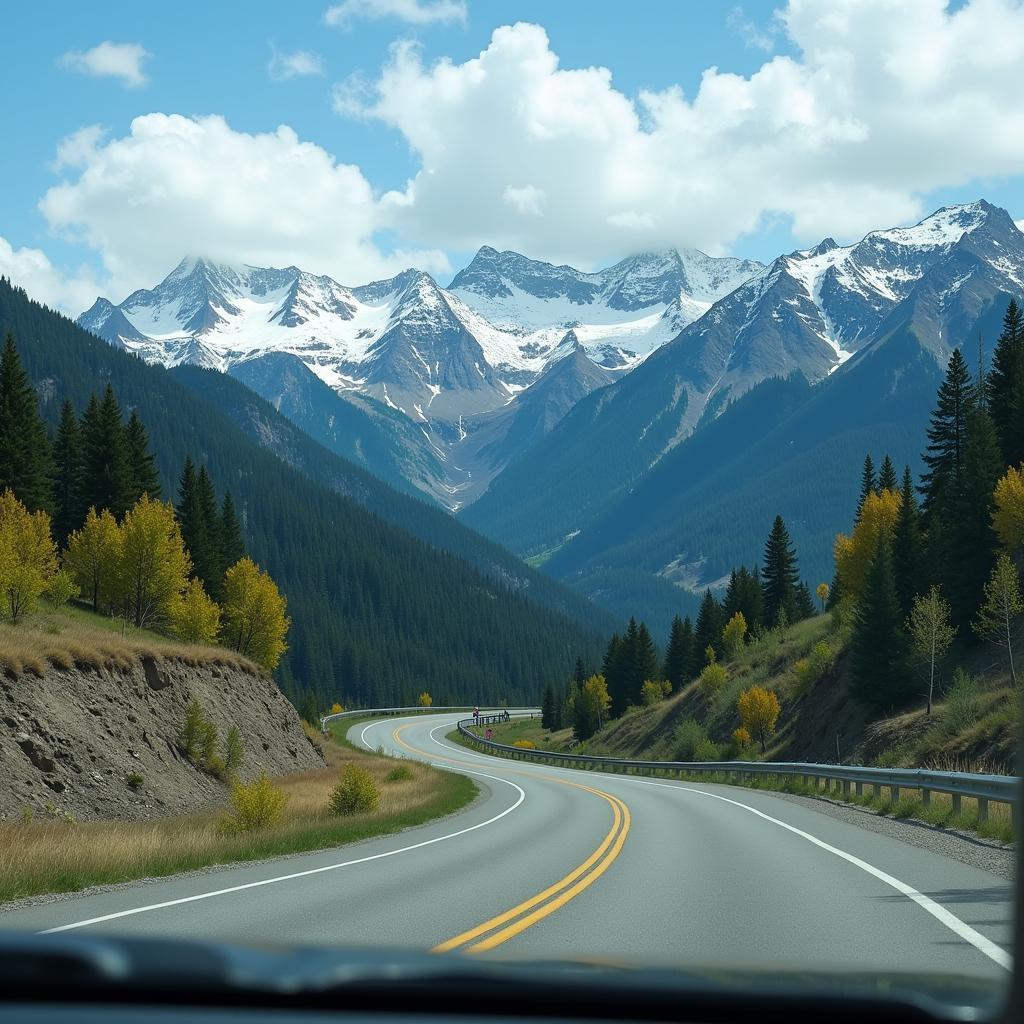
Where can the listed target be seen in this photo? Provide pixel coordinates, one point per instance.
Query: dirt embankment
(101, 743)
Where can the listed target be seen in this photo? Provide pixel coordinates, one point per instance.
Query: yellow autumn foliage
(853, 553)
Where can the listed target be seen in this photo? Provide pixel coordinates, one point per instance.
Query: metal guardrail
(495, 713)
(1003, 789)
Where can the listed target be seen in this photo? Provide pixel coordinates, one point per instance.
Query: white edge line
(301, 874)
(982, 943)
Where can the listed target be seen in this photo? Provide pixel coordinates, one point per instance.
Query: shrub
(707, 750)
(61, 589)
(355, 793)
(256, 805)
(689, 734)
(234, 751)
(963, 707)
(208, 736)
(399, 774)
(741, 737)
(712, 678)
(759, 712)
(189, 739)
(135, 780)
(525, 744)
(654, 690)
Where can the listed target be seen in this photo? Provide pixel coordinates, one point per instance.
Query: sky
(359, 137)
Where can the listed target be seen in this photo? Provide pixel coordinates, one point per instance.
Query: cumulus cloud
(412, 12)
(32, 270)
(114, 60)
(298, 64)
(752, 34)
(883, 102)
(178, 185)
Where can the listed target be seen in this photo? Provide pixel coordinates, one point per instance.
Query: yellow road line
(523, 915)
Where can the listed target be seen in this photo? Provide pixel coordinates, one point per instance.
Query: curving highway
(557, 863)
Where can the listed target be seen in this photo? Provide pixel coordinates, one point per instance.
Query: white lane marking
(302, 874)
(982, 943)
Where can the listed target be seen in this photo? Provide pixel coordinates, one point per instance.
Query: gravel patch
(985, 854)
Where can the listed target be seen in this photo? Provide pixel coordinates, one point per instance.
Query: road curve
(554, 862)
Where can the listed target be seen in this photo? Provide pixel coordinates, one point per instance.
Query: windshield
(523, 482)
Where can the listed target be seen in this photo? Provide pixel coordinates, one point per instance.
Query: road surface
(553, 862)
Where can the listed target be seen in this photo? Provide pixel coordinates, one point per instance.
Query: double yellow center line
(517, 919)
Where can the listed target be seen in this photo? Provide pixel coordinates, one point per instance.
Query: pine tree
(107, 479)
(867, 485)
(142, 472)
(679, 653)
(623, 666)
(908, 550)
(547, 708)
(706, 633)
(879, 660)
(780, 576)
(1005, 386)
(613, 669)
(68, 508)
(645, 664)
(232, 546)
(804, 602)
(25, 459)
(887, 476)
(209, 561)
(947, 433)
(972, 537)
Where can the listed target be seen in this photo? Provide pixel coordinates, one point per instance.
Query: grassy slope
(58, 856)
(75, 636)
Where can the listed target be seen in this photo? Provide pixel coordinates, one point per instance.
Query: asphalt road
(562, 863)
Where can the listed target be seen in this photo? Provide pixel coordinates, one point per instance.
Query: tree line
(633, 673)
(81, 517)
(931, 561)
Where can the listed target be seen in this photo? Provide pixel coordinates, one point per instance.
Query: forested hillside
(377, 615)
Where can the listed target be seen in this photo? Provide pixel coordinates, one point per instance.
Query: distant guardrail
(1003, 789)
(493, 713)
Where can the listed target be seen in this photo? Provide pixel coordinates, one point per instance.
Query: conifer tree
(879, 660)
(623, 666)
(887, 476)
(613, 668)
(1005, 386)
(706, 633)
(107, 475)
(68, 510)
(645, 664)
(679, 653)
(232, 546)
(200, 526)
(947, 434)
(868, 485)
(780, 576)
(972, 537)
(908, 551)
(25, 466)
(743, 594)
(804, 603)
(143, 475)
(547, 708)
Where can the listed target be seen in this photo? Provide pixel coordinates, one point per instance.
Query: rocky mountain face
(449, 361)
(819, 313)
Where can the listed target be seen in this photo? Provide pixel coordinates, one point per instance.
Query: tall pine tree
(947, 435)
(25, 462)
(887, 476)
(107, 477)
(68, 504)
(868, 485)
(879, 657)
(707, 632)
(1005, 386)
(142, 471)
(679, 653)
(908, 549)
(779, 576)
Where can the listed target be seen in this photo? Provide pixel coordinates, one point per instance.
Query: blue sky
(567, 166)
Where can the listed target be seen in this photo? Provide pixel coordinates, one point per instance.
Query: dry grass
(72, 638)
(57, 856)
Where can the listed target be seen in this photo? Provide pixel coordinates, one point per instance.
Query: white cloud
(114, 60)
(412, 12)
(33, 271)
(753, 35)
(298, 64)
(528, 200)
(884, 102)
(177, 185)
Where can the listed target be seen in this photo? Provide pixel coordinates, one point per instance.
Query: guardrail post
(858, 788)
(926, 797)
(894, 794)
(982, 809)
(846, 787)
(956, 803)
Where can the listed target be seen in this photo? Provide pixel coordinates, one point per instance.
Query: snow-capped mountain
(821, 312)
